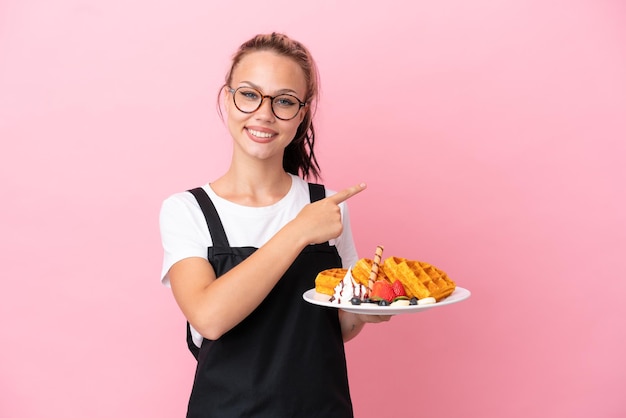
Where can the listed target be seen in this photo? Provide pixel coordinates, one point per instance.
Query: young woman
(241, 250)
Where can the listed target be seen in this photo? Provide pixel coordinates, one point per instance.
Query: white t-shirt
(184, 232)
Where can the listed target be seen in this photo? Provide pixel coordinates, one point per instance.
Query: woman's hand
(352, 323)
(321, 220)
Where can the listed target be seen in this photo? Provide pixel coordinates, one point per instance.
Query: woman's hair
(299, 156)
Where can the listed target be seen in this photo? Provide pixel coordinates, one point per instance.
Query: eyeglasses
(249, 100)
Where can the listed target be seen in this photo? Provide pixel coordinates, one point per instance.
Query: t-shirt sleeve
(182, 225)
(345, 242)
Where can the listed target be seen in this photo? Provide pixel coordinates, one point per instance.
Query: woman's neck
(253, 184)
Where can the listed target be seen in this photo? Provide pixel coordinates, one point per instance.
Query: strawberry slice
(398, 289)
(382, 290)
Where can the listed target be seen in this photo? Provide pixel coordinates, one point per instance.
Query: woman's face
(261, 135)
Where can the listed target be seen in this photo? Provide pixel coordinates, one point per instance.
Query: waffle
(361, 271)
(420, 279)
(326, 280)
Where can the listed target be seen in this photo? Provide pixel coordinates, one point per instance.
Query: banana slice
(427, 301)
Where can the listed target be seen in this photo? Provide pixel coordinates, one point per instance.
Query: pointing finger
(345, 194)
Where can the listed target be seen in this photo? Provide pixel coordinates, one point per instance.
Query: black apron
(286, 359)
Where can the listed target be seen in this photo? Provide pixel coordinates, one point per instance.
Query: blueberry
(355, 301)
(413, 301)
(383, 302)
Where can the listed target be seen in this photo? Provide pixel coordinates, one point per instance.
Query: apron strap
(218, 235)
(216, 229)
(316, 192)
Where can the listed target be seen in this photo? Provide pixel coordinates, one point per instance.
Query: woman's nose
(265, 110)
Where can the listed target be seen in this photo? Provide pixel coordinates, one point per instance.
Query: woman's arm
(213, 307)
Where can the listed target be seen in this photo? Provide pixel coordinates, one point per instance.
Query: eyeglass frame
(232, 91)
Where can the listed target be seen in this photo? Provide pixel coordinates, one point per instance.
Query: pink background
(492, 136)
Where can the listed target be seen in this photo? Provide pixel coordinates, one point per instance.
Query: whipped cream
(347, 289)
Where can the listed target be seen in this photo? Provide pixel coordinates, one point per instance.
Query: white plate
(320, 299)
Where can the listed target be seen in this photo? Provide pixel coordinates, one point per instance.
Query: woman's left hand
(373, 319)
(352, 323)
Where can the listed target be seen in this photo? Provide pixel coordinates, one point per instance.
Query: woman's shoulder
(303, 185)
(183, 197)
(178, 203)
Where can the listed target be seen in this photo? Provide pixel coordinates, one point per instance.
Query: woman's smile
(260, 134)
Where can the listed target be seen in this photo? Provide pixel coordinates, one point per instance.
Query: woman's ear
(226, 96)
(303, 111)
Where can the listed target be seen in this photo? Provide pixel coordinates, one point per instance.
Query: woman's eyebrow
(281, 91)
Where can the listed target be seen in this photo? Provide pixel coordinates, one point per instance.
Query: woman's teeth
(260, 134)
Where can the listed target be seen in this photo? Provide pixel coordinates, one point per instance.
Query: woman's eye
(284, 101)
(250, 95)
